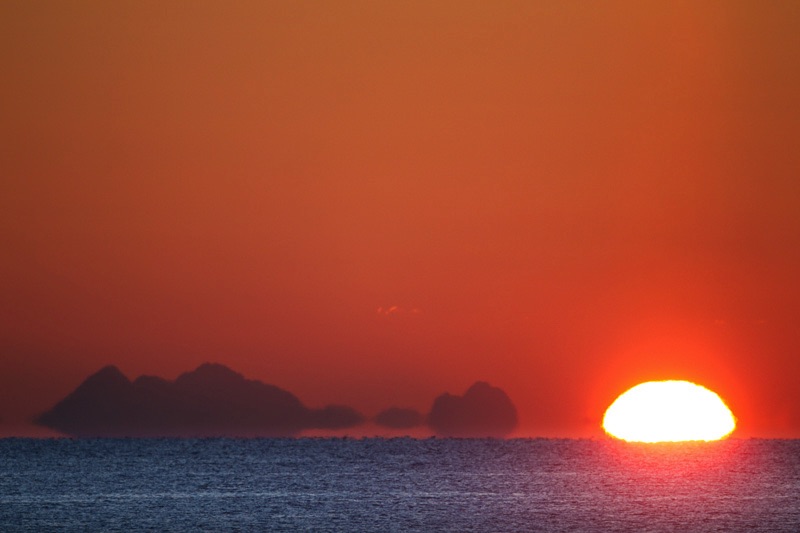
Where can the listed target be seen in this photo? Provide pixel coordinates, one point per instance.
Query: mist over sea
(397, 485)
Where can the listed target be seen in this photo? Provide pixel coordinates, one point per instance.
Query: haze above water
(398, 485)
(370, 203)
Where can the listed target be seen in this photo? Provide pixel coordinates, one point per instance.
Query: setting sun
(668, 411)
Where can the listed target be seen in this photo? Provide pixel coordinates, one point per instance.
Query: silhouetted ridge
(209, 374)
(210, 400)
(105, 399)
(224, 399)
(483, 411)
(108, 377)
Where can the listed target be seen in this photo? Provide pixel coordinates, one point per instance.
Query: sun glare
(668, 411)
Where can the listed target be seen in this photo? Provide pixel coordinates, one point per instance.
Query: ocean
(340, 484)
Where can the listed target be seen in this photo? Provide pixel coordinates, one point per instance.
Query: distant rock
(483, 411)
(399, 418)
(104, 400)
(212, 400)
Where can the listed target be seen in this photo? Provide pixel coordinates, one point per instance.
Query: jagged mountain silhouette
(212, 400)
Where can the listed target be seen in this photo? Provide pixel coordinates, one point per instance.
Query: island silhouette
(483, 411)
(214, 400)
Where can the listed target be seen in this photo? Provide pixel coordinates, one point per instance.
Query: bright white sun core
(668, 411)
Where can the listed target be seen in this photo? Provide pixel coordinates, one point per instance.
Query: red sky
(562, 198)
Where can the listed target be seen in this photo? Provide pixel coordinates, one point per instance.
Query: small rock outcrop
(483, 411)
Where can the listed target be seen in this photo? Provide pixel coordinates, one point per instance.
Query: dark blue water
(397, 485)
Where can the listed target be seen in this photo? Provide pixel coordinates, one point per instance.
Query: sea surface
(397, 485)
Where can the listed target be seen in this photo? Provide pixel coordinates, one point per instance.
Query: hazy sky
(375, 202)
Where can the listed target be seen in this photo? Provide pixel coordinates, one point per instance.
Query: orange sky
(562, 198)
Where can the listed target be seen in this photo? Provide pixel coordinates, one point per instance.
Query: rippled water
(397, 485)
